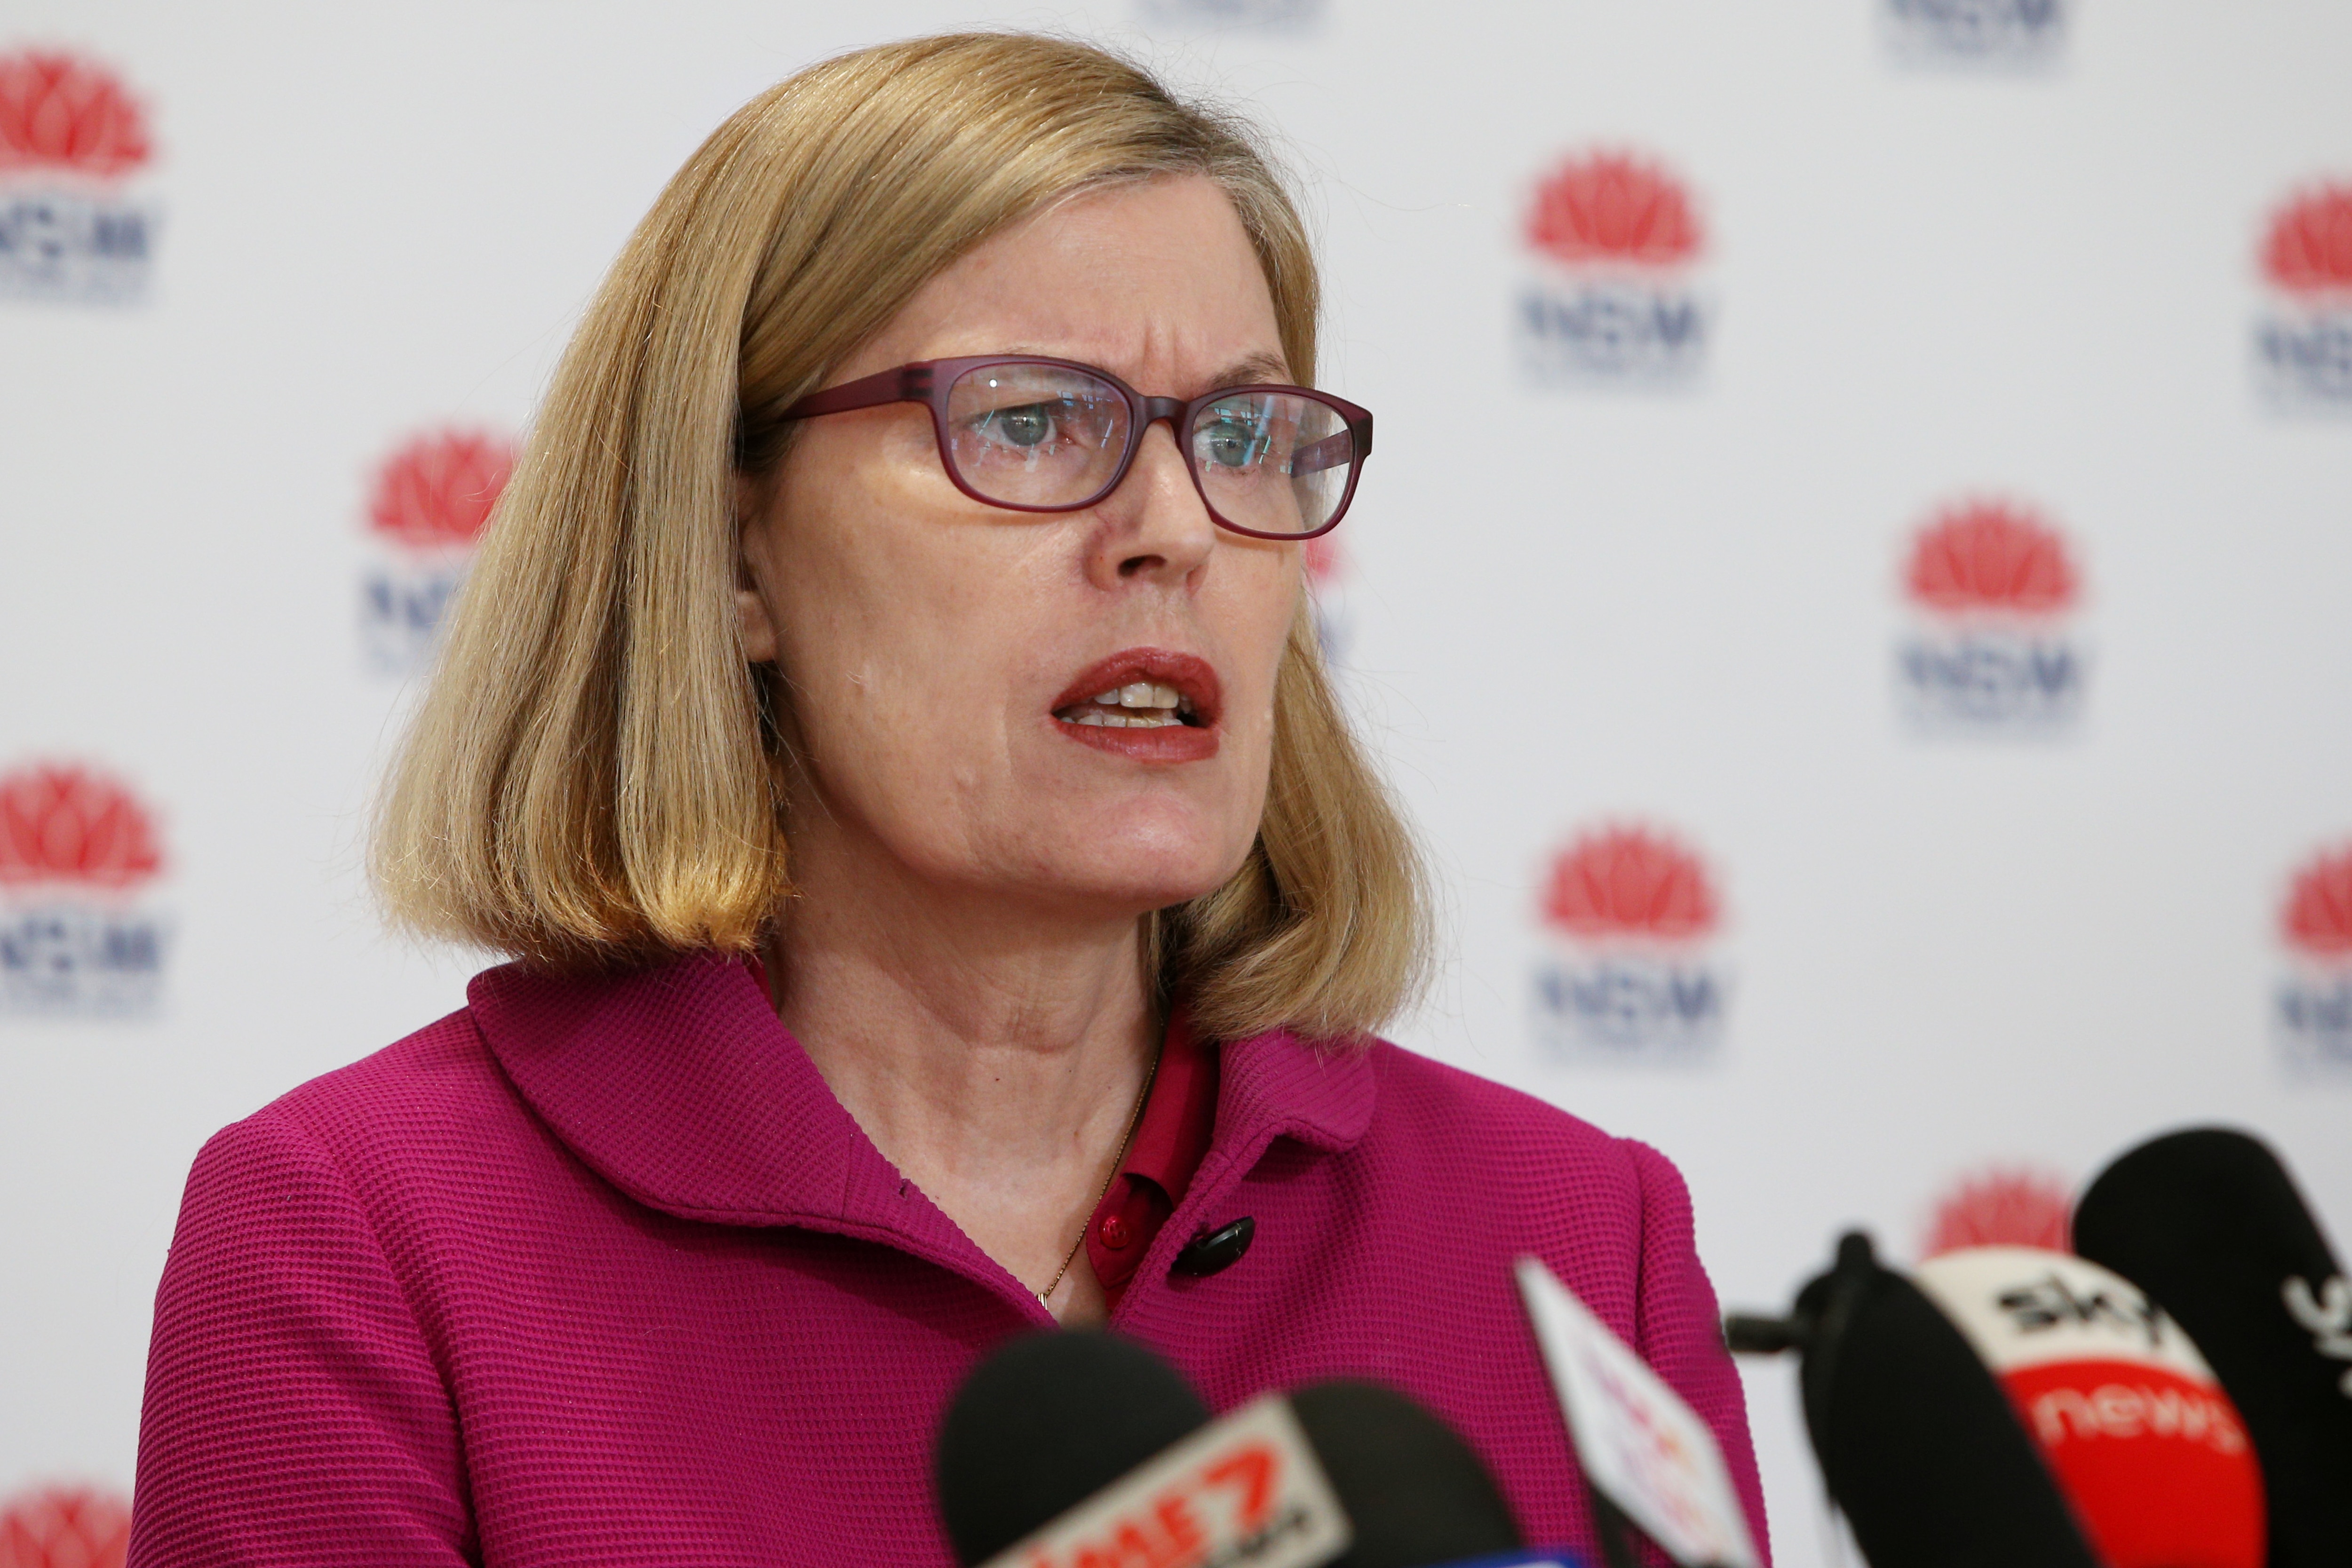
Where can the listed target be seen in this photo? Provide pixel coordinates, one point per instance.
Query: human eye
(1026, 426)
(1235, 437)
(1030, 417)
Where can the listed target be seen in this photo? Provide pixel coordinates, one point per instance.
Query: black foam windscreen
(2209, 1225)
(1412, 1489)
(1917, 1441)
(1045, 1423)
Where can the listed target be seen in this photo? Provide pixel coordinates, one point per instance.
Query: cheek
(881, 649)
(1268, 603)
(839, 625)
(891, 637)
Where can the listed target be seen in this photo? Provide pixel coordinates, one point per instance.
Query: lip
(1192, 676)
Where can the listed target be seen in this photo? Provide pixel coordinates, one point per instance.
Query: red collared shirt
(1168, 1144)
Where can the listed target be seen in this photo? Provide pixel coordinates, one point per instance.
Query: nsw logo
(1328, 571)
(2303, 336)
(2314, 996)
(64, 1527)
(1609, 300)
(1265, 15)
(2002, 1205)
(1633, 975)
(72, 138)
(1991, 588)
(77, 851)
(430, 501)
(1995, 33)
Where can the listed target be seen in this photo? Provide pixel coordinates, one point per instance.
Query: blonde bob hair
(595, 775)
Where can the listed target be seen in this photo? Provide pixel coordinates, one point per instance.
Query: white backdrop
(1846, 941)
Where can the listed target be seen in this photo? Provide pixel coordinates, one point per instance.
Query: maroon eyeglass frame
(928, 382)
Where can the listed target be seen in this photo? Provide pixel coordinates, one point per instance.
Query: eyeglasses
(1051, 435)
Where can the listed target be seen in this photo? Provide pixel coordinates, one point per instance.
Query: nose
(1155, 526)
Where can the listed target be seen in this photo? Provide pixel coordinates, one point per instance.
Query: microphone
(1045, 1423)
(1410, 1486)
(1044, 1461)
(2210, 1224)
(2128, 1415)
(1918, 1444)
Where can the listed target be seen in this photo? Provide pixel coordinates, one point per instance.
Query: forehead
(1154, 280)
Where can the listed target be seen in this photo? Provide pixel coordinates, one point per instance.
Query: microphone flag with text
(1080, 1449)
(2140, 1437)
(1647, 1457)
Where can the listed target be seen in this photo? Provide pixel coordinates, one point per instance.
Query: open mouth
(1171, 697)
(1138, 705)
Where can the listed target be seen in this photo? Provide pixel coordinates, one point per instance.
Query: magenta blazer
(599, 1272)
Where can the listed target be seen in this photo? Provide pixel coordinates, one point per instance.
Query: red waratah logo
(63, 824)
(2004, 1207)
(2309, 248)
(1630, 882)
(1324, 562)
(62, 113)
(2318, 919)
(1614, 207)
(1990, 556)
(64, 1527)
(436, 492)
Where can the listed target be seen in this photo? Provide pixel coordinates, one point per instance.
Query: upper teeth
(1142, 694)
(1139, 704)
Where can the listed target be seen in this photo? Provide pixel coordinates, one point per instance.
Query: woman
(885, 730)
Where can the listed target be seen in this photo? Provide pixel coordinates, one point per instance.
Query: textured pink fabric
(599, 1272)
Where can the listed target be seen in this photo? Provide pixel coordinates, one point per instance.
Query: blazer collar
(678, 1084)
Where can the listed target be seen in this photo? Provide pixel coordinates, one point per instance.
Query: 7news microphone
(1073, 1448)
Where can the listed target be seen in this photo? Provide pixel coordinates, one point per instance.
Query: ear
(757, 626)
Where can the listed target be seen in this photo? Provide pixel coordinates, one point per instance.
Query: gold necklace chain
(1134, 1121)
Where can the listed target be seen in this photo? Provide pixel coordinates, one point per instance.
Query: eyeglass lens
(1048, 435)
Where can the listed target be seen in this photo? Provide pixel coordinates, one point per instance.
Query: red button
(1114, 1232)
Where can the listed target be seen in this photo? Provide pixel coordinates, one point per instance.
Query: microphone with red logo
(1918, 1444)
(2126, 1412)
(1069, 1450)
(2209, 1222)
(1044, 1424)
(1413, 1492)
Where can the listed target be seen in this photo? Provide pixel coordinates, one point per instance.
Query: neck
(995, 1053)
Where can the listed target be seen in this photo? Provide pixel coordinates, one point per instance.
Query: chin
(1135, 884)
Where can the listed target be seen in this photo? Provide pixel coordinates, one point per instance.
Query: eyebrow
(1250, 369)
(1256, 368)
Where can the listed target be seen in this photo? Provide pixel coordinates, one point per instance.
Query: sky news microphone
(1917, 1441)
(1046, 1459)
(2143, 1441)
(2210, 1224)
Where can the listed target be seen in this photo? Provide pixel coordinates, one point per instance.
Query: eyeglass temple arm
(1343, 446)
(907, 383)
